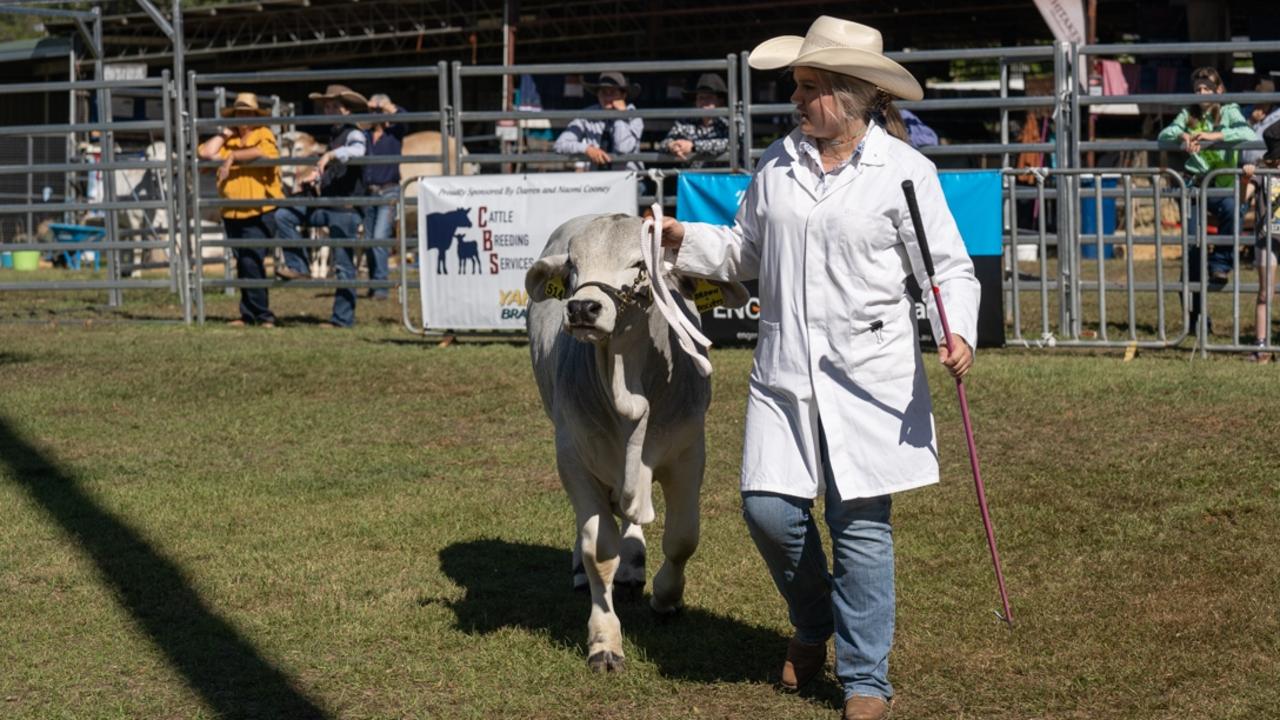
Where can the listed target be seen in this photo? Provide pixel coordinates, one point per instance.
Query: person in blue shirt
(381, 181)
(918, 133)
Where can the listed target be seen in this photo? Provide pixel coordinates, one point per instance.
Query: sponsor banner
(477, 235)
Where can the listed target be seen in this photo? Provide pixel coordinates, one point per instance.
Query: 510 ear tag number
(554, 288)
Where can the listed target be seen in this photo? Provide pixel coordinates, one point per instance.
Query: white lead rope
(656, 261)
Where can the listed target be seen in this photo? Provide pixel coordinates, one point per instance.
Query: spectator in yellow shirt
(236, 145)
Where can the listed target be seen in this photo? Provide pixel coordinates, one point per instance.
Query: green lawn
(211, 522)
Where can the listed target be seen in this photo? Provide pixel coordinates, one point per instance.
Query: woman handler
(838, 404)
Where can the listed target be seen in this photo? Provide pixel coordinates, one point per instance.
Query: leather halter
(638, 294)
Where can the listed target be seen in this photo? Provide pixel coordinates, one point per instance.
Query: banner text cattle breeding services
(478, 235)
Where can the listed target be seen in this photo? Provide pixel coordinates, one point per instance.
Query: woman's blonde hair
(856, 98)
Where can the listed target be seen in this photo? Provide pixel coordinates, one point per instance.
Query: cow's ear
(546, 278)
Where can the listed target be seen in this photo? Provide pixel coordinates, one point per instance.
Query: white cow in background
(148, 185)
(628, 406)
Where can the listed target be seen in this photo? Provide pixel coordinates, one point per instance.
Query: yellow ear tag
(554, 288)
(706, 295)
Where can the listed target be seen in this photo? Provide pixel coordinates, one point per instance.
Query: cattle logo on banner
(477, 235)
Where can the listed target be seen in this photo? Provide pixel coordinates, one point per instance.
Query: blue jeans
(342, 224)
(254, 302)
(856, 600)
(377, 226)
(1224, 212)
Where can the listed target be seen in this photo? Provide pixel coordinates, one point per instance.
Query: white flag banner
(1065, 18)
(478, 234)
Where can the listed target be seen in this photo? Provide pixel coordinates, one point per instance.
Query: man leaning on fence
(334, 178)
(1195, 129)
(600, 140)
(236, 145)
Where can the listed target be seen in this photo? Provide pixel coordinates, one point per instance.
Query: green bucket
(26, 259)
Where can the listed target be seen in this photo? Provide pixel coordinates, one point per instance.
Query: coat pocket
(879, 350)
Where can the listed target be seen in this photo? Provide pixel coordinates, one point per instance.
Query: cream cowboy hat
(354, 101)
(843, 47)
(245, 101)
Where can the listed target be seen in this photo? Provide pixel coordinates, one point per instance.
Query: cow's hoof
(629, 592)
(605, 661)
(667, 614)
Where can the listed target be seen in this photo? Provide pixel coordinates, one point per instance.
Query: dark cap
(709, 83)
(1271, 136)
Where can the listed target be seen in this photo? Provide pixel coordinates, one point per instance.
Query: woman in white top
(838, 403)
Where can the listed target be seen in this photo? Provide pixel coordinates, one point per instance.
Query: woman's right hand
(672, 233)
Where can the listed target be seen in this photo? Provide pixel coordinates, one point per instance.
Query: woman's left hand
(960, 359)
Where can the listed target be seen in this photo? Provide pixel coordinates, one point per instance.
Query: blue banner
(973, 197)
(710, 197)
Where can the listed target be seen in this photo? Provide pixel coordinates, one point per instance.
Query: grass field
(211, 522)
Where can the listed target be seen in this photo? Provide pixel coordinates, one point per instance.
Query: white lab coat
(832, 268)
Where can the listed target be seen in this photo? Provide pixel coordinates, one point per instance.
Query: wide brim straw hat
(840, 46)
(354, 101)
(245, 101)
(708, 83)
(613, 79)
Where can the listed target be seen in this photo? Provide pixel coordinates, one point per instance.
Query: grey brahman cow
(628, 407)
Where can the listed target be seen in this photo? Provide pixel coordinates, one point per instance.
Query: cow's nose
(583, 312)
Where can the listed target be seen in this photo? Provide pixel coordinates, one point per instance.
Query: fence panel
(1248, 303)
(204, 200)
(117, 209)
(1109, 283)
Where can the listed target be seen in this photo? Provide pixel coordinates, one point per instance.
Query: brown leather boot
(863, 707)
(804, 662)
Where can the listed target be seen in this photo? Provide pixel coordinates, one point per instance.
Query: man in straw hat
(838, 404)
(707, 136)
(331, 178)
(600, 140)
(236, 145)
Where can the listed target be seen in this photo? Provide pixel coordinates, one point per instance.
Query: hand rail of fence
(727, 65)
(1003, 102)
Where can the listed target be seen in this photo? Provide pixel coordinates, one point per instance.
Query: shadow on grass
(525, 586)
(228, 673)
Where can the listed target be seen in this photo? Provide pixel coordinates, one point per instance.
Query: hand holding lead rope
(688, 335)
